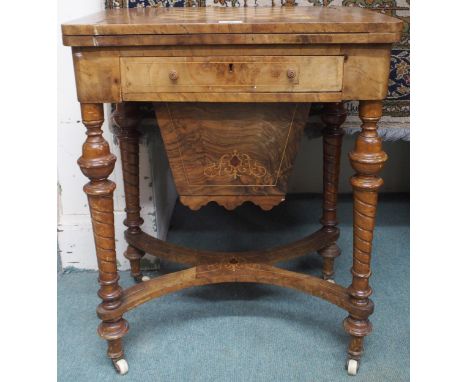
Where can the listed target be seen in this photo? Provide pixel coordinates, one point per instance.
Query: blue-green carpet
(249, 332)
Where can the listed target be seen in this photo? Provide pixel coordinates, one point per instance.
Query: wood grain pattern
(243, 79)
(144, 21)
(179, 254)
(230, 202)
(241, 150)
(333, 115)
(246, 273)
(234, 97)
(367, 159)
(97, 163)
(232, 74)
(126, 118)
(97, 78)
(364, 74)
(220, 49)
(225, 38)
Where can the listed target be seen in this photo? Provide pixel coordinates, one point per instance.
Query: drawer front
(232, 74)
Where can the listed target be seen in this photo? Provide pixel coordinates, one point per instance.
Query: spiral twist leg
(126, 119)
(97, 163)
(333, 115)
(367, 159)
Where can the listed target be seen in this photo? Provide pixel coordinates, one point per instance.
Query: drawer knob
(291, 73)
(173, 75)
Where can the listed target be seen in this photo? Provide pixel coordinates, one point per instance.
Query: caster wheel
(331, 281)
(352, 366)
(121, 366)
(145, 278)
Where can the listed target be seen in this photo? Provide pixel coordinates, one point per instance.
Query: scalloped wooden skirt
(231, 153)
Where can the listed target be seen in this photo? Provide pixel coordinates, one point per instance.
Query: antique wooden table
(232, 90)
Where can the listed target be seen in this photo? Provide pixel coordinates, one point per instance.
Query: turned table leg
(97, 163)
(126, 117)
(333, 115)
(367, 159)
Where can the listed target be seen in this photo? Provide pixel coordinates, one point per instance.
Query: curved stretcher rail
(234, 272)
(182, 255)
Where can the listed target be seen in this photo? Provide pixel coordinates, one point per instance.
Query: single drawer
(232, 74)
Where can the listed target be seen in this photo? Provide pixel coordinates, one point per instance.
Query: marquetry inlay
(232, 90)
(235, 164)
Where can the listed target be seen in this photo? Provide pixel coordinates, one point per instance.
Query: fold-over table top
(243, 20)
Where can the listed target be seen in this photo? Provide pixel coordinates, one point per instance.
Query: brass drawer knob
(173, 75)
(291, 73)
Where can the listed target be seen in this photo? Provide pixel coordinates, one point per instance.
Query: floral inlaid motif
(235, 165)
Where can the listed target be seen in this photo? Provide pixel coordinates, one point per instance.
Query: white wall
(75, 239)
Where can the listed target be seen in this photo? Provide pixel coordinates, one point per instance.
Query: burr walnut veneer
(232, 90)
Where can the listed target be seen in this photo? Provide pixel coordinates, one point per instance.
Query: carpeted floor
(249, 332)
